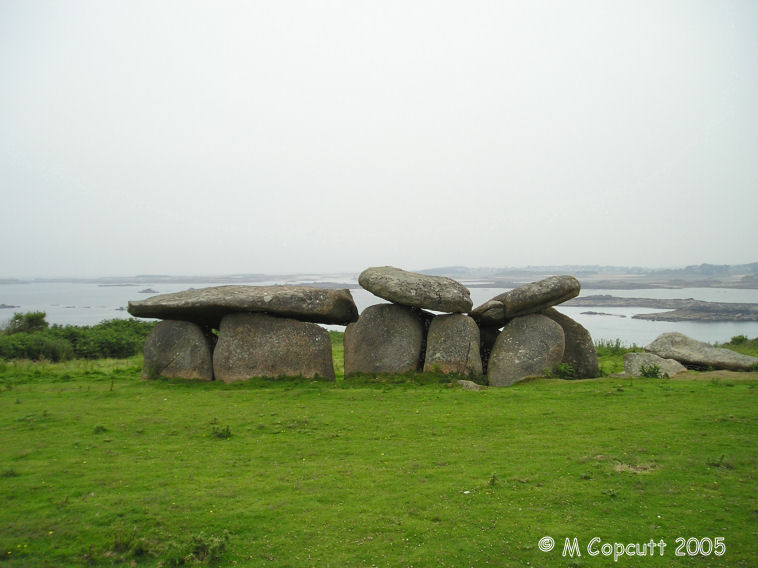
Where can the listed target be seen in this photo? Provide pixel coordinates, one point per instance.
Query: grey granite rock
(693, 353)
(260, 345)
(387, 338)
(580, 349)
(206, 306)
(634, 362)
(437, 293)
(178, 349)
(452, 345)
(526, 347)
(530, 298)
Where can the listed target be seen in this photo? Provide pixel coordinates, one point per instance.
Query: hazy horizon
(474, 270)
(193, 137)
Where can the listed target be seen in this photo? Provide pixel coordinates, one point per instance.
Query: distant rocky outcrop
(681, 309)
(707, 311)
(698, 355)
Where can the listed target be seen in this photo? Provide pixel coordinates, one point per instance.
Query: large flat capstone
(437, 293)
(527, 299)
(207, 306)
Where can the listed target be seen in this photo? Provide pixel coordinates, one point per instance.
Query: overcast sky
(228, 137)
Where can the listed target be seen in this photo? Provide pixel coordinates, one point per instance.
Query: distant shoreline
(681, 309)
(591, 277)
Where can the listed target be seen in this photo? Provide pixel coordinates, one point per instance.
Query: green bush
(30, 322)
(652, 372)
(28, 336)
(606, 347)
(742, 344)
(37, 346)
(739, 340)
(561, 371)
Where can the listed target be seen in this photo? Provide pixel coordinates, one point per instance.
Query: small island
(686, 309)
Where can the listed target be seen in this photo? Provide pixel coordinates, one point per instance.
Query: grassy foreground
(100, 468)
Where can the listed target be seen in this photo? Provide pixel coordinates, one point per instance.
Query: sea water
(79, 303)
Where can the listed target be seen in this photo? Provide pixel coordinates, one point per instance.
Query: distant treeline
(29, 336)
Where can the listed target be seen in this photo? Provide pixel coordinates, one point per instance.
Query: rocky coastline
(681, 309)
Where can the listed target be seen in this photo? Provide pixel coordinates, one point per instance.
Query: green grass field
(98, 467)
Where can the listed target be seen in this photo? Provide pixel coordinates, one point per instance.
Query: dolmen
(232, 333)
(428, 323)
(403, 335)
(509, 338)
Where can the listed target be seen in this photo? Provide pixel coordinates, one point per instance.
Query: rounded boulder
(437, 293)
(387, 338)
(452, 345)
(526, 347)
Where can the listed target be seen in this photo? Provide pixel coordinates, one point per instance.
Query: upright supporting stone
(387, 338)
(178, 349)
(452, 346)
(260, 345)
(527, 347)
(580, 349)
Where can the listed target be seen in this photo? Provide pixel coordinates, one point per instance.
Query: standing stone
(260, 345)
(437, 293)
(527, 299)
(206, 306)
(633, 363)
(452, 346)
(580, 349)
(178, 349)
(387, 338)
(693, 353)
(526, 347)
